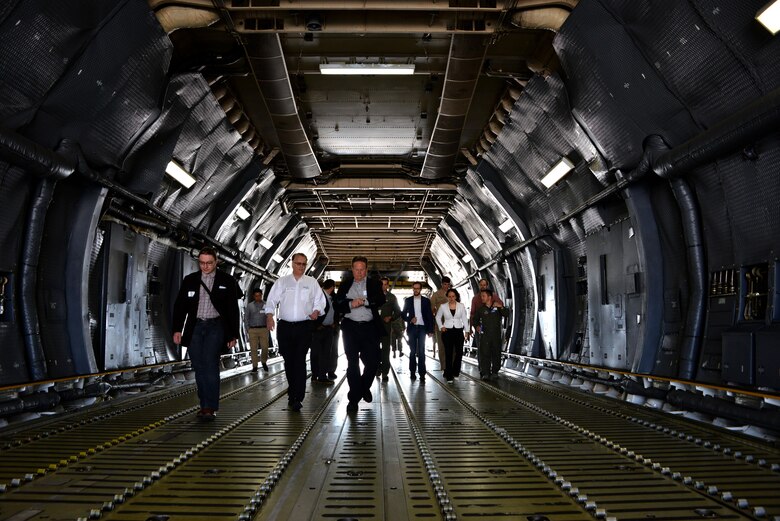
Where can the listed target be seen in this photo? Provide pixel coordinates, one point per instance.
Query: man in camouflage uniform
(390, 312)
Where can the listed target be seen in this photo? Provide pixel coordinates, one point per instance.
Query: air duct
(270, 70)
(548, 18)
(467, 54)
(172, 18)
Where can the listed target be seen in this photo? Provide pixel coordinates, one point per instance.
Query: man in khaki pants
(437, 299)
(258, 331)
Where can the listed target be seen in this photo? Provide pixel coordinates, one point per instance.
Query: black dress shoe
(296, 406)
(265, 366)
(413, 377)
(352, 407)
(324, 380)
(332, 376)
(367, 396)
(385, 378)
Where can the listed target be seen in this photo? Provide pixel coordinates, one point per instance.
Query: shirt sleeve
(440, 316)
(272, 299)
(319, 302)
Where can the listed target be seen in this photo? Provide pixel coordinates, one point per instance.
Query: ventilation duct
(270, 70)
(172, 18)
(467, 54)
(548, 18)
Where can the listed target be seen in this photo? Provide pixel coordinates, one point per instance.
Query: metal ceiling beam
(359, 213)
(368, 183)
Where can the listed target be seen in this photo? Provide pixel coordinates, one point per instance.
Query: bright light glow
(278, 258)
(556, 173)
(476, 243)
(467, 258)
(364, 69)
(175, 170)
(334, 275)
(265, 243)
(241, 212)
(506, 225)
(415, 276)
(769, 16)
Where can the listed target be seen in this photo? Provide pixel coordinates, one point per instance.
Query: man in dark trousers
(358, 300)
(389, 312)
(296, 300)
(322, 337)
(205, 318)
(419, 322)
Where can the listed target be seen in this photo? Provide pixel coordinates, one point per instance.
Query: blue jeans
(417, 336)
(205, 348)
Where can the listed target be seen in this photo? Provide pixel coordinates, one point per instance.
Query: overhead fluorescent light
(175, 170)
(241, 212)
(417, 276)
(476, 243)
(556, 173)
(506, 225)
(769, 16)
(265, 243)
(364, 69)
(467, 258)
(278, 258)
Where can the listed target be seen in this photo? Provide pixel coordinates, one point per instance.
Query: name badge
(190, 293)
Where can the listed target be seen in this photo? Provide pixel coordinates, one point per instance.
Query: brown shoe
(208, 414)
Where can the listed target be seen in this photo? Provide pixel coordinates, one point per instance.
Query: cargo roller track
(511, 449)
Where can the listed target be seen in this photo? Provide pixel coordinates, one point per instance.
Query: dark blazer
(425, 306)
(376, 298)
(224, 296)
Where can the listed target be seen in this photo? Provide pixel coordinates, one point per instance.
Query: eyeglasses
(206, 263)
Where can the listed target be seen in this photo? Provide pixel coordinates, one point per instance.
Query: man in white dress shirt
(300, 301)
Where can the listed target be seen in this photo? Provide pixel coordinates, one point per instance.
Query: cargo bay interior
(610, 167)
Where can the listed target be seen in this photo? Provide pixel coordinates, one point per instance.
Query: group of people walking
(306, 315)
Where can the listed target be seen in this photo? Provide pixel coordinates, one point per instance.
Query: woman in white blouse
(453, 323)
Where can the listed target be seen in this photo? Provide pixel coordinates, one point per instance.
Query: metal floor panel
(513, 449)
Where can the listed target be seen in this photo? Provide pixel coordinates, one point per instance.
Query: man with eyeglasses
(297, 300)
(206, 319)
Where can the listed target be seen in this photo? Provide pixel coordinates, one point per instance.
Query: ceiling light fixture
(265, 243)
(242, 213)
(176, 171)
(476, 243)
(769, 16)
(467, 258)
(506, 225)
(556, 173)
(365, 69)
(278, 258)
